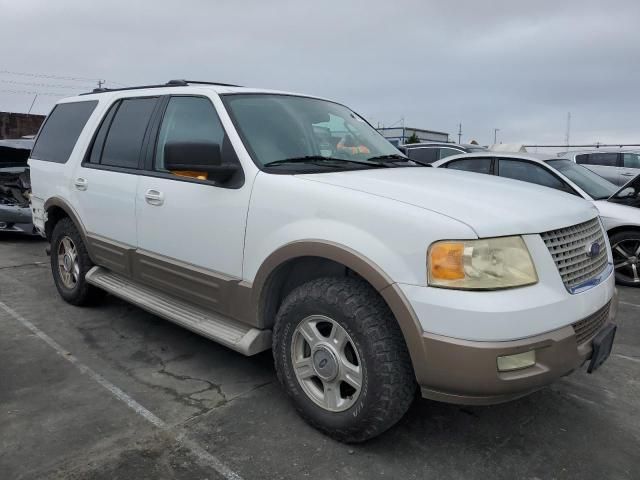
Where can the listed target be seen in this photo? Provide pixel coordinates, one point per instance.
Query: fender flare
(396, 301)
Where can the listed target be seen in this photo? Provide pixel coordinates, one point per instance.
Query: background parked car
(618, 206)
(430, 152)
(617, 166)
(15, 212)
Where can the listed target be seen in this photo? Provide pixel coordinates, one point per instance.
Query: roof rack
(170, 83)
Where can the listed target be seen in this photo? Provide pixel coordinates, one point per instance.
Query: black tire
(82, 293)
(629, 242)
(388, 380)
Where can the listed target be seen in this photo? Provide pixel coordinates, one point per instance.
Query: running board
(232, 334)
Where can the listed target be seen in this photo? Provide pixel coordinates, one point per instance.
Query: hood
(14, 153)
(491, 206)
(629, 193)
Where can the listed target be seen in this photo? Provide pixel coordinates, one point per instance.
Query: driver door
(190, 229)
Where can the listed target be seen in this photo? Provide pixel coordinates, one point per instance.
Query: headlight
(486, 264)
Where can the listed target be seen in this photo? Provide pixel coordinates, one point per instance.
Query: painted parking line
(629, 304)
(179, 434)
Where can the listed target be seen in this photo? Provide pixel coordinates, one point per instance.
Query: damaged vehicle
(15, 186)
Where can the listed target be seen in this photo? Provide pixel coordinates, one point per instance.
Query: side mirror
(198, 157)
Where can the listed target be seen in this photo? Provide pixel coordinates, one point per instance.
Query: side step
(235, 335)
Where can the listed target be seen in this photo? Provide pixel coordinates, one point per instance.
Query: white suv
(264, 219)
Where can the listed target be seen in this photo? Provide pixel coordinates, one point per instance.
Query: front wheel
(626, 257)
(342, 359)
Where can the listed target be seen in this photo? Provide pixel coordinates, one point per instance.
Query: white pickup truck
(265, 219)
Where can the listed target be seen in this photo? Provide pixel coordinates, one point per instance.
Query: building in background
(18, 125)
(399, 135)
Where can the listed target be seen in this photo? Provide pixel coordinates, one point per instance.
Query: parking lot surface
(114, 392)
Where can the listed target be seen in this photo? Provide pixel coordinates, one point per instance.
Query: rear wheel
(342, 359)
(626, 257)
(70, 263)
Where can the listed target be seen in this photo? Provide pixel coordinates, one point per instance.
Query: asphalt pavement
(112, 392)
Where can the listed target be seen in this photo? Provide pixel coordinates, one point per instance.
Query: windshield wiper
(323, 161)
(396, 157)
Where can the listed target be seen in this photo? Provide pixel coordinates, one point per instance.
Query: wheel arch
(323, 258)
(623, 228)
(56, 209)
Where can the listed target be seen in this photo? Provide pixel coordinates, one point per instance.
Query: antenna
(100, 83)
(459, 131)
(568, 132)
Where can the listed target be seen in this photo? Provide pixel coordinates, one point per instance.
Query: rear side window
(478, 165)
(424, 155)
(448, 152)
(61, 130)
(123, 142)
(631, 160)
(604, 159)
(529, 172)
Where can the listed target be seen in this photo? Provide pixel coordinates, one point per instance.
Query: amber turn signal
(446, 261)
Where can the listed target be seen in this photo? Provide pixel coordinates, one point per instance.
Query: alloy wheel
(326, 363)
(68, 265)
(626, 259)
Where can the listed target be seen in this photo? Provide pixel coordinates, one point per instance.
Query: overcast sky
(514, 65)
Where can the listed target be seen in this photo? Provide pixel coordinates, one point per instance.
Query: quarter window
(529, 172)
(423, 155)
(631, 160)
(448, 152)
(61, 131)
(477, 165)
(124, 141)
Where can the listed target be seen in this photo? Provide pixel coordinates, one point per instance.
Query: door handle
(81, 183)
(626, 174)
(154, 197)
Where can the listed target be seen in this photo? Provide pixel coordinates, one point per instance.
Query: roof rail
(170, 83)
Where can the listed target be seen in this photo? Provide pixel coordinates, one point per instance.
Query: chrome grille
(568, 247)
(587, 328)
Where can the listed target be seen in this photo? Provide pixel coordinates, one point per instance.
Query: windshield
(276, 128)
(594, 185)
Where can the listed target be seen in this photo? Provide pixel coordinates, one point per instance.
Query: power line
(32, 84)
(27, 92)
(57, 77)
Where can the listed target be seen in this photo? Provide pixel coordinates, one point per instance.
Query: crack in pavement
(30, 264)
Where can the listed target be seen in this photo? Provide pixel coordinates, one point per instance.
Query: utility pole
(495, 135)
(568, 132)
(459, 132)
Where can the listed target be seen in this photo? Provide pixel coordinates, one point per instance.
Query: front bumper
(455, 370)
(465, 372)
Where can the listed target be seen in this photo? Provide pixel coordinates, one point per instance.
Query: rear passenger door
(191, 229)
(605, 164)
(105, 184)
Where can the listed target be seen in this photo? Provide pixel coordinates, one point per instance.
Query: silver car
(619, 207)
(617, 166)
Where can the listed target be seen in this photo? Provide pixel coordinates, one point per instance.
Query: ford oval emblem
(593, 250)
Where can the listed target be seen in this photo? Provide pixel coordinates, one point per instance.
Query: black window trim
(568, 188)
(149, 142)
